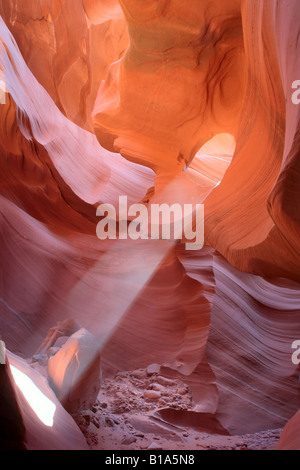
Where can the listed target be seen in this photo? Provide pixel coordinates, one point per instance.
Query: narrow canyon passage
(149, 224)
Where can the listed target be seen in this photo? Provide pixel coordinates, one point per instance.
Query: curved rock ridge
(161, 101)
(165, 321)
(98, 13)
(249, 347)
(245, 359)
(261, 188)
(290, 437)
(251, 245)
(173, 89)
(68, 46)
(212, 161)
(254, 324)
(193, 72)
(39, 118)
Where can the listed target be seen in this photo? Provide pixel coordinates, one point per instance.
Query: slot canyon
(147, 340)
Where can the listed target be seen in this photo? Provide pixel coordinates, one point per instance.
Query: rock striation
(159, 101)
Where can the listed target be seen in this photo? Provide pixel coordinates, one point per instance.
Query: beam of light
(108, 304)
(2, 352)
(40, 404)
(109, 301)
(2, 89)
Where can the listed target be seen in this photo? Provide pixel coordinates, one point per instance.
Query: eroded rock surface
(74, 371)
(106, 99)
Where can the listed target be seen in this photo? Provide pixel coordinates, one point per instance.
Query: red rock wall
(111, 99)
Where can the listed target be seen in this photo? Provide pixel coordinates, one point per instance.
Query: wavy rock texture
(249, 349)
(253, 323)
(290, 436)
(216, 68)
(120, 98)
(60, 45)
(265, 200)
(173, 90)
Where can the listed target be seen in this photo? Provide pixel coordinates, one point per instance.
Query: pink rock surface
(74, 372)
(290, 437)
(159, 101)
(63, 434)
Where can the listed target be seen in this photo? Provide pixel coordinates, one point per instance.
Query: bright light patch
(41, 405)
(218, 184)
(2, 89)
(2, 352)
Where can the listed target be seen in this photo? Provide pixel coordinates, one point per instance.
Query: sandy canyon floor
(126, 417)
